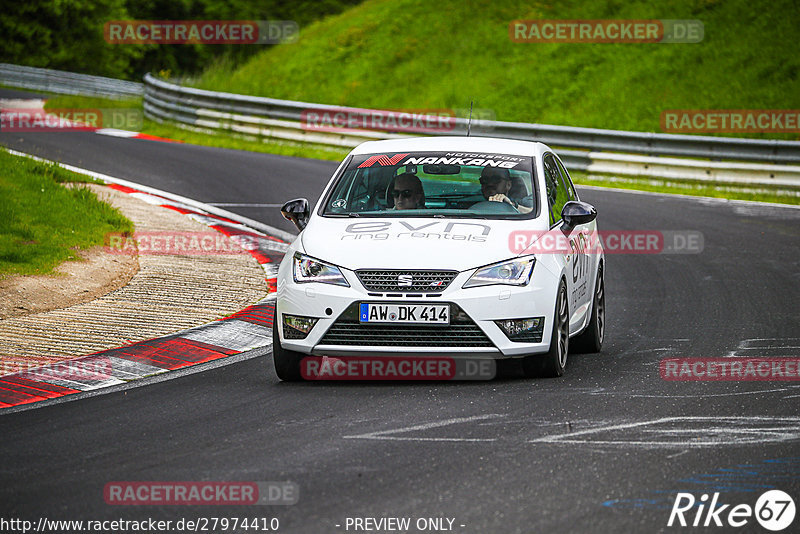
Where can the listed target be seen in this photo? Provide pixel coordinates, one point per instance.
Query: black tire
(591, 339)
(552, 364)
(287, 362)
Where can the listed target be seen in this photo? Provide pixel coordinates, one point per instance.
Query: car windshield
(426, 184)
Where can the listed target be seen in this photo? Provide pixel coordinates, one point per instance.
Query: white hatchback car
(442, 246)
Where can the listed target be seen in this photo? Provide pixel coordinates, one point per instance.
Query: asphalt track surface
(603, 449)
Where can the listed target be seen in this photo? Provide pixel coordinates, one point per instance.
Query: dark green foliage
(68, 35)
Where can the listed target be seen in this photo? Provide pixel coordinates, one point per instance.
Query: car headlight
(307, 269)
(511, 272)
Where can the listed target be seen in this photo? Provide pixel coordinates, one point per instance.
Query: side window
(550, 182)
(557, 194)
(567, 180)
(365, 191)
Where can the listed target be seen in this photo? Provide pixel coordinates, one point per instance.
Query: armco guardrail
(269, 116)
(756, 161)
(70, 83)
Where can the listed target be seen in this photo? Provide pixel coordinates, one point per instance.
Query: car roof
(453, 144)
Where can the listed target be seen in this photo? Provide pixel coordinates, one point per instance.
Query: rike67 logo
(774, 510)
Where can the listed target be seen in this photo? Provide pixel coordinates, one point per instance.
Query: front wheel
(591, 339)
(287, 362)
(552, 364)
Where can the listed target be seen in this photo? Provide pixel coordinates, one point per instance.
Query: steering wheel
(491, 206)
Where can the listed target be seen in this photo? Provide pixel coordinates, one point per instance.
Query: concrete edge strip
(144, 381)
(243, 335)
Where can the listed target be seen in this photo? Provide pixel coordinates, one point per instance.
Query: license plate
(405, 313)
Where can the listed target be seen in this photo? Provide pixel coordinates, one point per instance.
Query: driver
(495, 185)
(407, 192)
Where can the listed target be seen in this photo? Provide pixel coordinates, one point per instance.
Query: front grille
(345, 333)
(397, 280)
(530, 337)
(461, 332)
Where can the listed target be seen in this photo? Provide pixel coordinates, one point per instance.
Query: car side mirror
(296, 211)
(574, 213)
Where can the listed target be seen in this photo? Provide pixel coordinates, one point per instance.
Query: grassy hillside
(420, 54)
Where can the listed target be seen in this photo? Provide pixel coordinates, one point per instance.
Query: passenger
(495, 185)
(408, 193)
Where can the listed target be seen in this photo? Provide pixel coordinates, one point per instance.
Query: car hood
(412, 243)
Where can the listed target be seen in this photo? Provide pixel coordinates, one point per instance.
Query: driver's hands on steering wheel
(500, 197)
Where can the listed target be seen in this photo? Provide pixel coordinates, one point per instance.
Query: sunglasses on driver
(405, 193)
(492, 180)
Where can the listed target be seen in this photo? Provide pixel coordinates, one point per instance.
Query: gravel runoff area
(168, 293)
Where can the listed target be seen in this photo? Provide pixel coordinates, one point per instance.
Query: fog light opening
(527, 330)
(297, 326)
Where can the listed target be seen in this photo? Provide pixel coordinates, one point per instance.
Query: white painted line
(157, 200)
(270, 269)
(38, 376)
(770, 348)
(244, 205)
(736, 435)
(113, 132)
(677, 454)
(41, 375)
(383, 434)
(696, 396)
(128, 370)
(232, 334)
(765, 344)
(91, 385)
(603, 429)
(22, 103)
(211, 220)
(753, 339)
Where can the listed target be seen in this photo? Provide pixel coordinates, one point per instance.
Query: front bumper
(472, 332)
